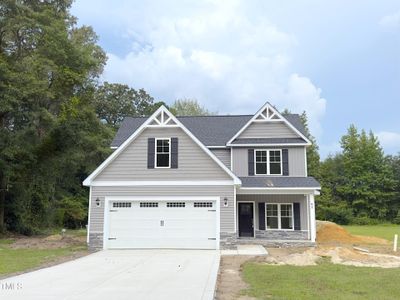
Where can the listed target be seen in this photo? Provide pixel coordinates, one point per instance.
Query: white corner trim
(89, 213)
(163, 183)
(258, 113)
(164, 110)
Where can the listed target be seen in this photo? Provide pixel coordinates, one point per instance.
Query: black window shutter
(251, 162)
(285, 162)
(296, 215)
(150, 153)
(174, 153)
(261, 215)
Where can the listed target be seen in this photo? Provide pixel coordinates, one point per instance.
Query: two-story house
(204, 182)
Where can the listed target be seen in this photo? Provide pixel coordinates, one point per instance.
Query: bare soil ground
(230, 282)
(77, 244)
(47, 242)
(333, 243)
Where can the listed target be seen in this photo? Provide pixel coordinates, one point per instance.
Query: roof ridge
(213, 116)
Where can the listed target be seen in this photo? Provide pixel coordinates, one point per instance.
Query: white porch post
(313, 227)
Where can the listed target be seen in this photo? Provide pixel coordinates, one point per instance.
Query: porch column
(313, 225)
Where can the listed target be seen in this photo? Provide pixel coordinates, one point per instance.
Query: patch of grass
(18, 260)
(324, 281)
(384, 231)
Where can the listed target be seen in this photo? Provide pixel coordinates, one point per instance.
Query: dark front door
(246, 218)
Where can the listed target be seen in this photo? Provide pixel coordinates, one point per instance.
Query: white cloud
(390, 141)
(226, 54)
(390, 21)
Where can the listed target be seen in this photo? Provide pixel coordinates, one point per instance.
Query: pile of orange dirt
(329, 232)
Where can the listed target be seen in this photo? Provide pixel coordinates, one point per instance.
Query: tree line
(57, 120)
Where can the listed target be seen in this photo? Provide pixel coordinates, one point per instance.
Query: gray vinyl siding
(296, 161)
(278, 199)
(224, 155)
(226, 213)
(193, 162)
(268, 130)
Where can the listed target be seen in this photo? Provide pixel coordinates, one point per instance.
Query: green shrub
(340, 214)
(71, 212)
(397, 219)
(365, 220)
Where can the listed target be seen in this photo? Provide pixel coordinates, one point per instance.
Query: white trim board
(162, 183)
(266, 191)
(163, 111)
(268, 145)
(268, 106)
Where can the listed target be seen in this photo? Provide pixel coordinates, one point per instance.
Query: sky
(337, 60)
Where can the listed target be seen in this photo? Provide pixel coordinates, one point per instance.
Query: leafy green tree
(115, 101)
(313, 158)
(394, 163)
(49, 134)
(189, 107)
(369, 182)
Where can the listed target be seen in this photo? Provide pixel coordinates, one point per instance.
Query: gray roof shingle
(210, 130)
(280, 182)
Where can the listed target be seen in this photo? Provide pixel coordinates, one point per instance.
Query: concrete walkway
(253, 250)
(121, 274)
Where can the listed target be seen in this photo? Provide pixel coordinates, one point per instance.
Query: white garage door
(162, 224)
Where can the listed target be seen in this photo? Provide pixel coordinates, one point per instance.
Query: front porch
(275, 218)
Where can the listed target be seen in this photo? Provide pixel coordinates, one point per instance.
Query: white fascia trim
(265, 106)
(162, 183)
(266, 145)
(161, 198)
(88, 181)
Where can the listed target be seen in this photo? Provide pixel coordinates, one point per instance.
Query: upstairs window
(163, 151)
(268, 162)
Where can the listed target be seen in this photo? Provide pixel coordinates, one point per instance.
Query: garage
(170, 224)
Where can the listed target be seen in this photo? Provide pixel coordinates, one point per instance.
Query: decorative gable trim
(266, 114)
(162, 117)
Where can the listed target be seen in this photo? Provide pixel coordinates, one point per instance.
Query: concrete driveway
(121, 274)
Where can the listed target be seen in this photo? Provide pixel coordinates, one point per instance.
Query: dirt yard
(333, 243)
(47, 242)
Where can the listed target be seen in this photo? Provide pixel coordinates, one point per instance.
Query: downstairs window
(279, 216)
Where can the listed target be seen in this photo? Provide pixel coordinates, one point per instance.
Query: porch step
(276, 243)
(253, 250)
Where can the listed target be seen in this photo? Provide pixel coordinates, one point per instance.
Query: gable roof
(162, 117)
(268, 114)
(210, 130)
